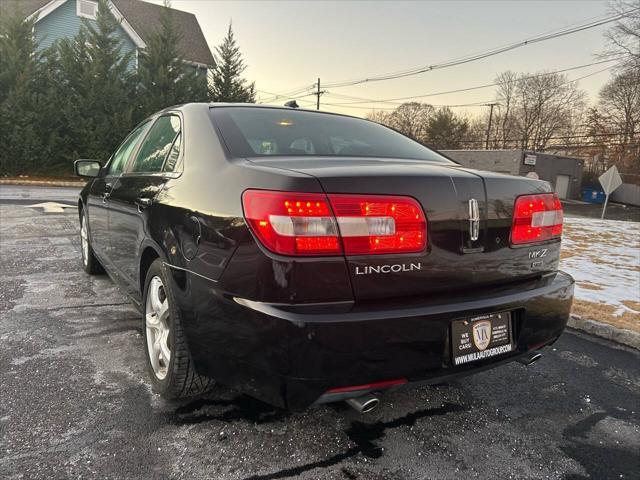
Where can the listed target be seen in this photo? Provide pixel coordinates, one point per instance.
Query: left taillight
(294, 223)
(536, 218)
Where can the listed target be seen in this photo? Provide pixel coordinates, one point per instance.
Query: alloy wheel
(157, 324)
(84, 240)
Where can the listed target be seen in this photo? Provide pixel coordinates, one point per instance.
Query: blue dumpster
(593, 195)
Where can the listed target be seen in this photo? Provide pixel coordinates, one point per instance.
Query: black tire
(181, 379)
(90, 263)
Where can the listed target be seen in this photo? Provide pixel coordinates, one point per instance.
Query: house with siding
(57, 19)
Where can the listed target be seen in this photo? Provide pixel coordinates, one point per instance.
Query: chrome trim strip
(189, 271)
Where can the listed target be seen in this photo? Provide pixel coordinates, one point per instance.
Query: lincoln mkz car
(303, 257)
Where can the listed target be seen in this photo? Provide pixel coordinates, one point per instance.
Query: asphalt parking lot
(74, 398)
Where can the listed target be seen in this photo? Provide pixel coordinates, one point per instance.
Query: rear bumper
(292, 355)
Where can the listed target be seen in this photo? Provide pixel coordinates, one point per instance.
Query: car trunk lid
(469, 218)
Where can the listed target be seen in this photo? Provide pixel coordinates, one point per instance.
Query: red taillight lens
(536, 218)
(292, 223)
(372, 224)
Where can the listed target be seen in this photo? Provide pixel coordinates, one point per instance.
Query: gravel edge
(43, 183)
(604, 330)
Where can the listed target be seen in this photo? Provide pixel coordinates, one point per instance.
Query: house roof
(144, 18)
(24, 7)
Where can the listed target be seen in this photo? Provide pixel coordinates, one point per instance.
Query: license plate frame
(481, 337)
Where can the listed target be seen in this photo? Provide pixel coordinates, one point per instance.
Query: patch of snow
(606, 255)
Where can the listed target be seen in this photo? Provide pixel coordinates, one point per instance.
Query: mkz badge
(482, 334)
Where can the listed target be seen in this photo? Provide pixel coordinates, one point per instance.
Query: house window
(87, 9)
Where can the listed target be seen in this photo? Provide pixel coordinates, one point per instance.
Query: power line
(475, 104)
(288, 98)
(398, 100)
(478, 87)
(482, 55)
(590, 145)
(287, 95)
(579, 22)
(562, 137)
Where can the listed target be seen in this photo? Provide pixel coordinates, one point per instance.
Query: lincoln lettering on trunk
(395, 268)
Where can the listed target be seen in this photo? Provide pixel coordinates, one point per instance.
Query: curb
(43, 183)
(604, 330)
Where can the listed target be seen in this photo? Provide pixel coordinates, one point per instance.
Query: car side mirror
(87, 168)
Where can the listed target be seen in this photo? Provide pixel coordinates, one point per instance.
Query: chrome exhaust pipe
(529, 358)
(363, 404)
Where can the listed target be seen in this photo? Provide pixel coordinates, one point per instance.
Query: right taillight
(294, 223)
(536, 218)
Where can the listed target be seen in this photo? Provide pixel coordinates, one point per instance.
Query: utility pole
(318, 95)
(489, 127)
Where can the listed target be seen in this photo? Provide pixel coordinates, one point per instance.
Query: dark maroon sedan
(305, 257)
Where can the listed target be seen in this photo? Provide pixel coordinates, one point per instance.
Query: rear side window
(264, 132)
(157, 147)
(121, 157)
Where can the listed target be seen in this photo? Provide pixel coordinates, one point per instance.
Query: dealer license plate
(480, 337)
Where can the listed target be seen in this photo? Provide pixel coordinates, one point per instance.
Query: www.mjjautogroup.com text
(491, 352)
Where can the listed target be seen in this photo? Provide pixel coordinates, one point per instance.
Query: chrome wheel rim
(84, 240)
(157, 327)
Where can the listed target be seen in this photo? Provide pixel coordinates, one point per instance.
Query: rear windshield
(264, 132)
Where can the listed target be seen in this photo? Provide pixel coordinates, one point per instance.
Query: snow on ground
(604, 258)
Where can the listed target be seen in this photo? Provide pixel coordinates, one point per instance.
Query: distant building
(57, 19)
(563, 173)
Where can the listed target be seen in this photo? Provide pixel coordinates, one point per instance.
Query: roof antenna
(292, 104)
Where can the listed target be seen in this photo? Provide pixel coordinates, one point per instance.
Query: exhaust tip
(363, 404)
(530, 358)
(370, 405)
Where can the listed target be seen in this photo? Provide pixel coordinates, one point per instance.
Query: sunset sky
(287, 45)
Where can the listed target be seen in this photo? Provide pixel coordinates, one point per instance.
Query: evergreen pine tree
(446, 130)
(94, 88)
(227, 84)
(164, 77)
(21, 148)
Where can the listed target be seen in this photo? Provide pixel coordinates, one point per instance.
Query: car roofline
(278, 107)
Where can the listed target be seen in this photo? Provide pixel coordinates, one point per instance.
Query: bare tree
(623, 38)
(477, 133)
(411, 119)
(504, 121)
(533, 112)
(378, 116)
(545, 108)
(619, 103)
